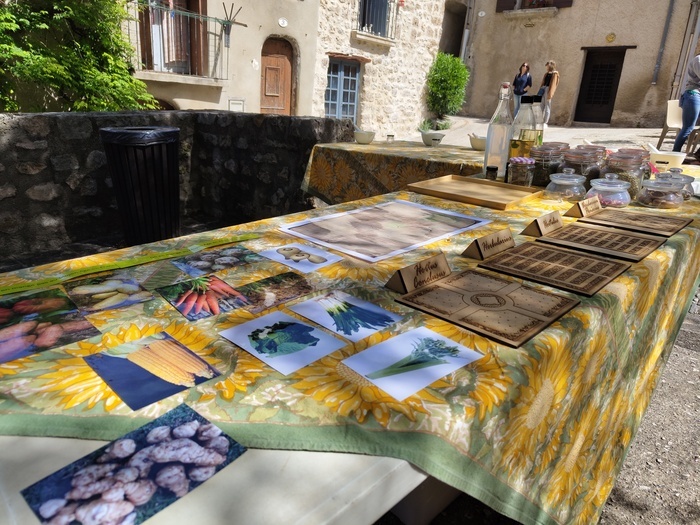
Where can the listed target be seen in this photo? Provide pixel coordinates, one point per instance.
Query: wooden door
(601, 77)
(276, 77)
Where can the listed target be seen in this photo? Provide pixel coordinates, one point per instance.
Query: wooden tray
(481, 192)
(503, 310)
(576, 272)
(642, 222)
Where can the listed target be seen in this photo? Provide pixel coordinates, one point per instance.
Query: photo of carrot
(203, 297)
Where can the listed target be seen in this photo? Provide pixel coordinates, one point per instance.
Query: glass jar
(547, 161)
(583, 162)
(611, 192)
(566, 186)
(661, 193)
(644, 158)
(520, 171)
(676, 175)
(627, 168)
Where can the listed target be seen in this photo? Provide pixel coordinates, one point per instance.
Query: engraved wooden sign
(503, 310)
(576, 272)
(489, 245)
(420, 274)
(642, 222)
(585, 207)
(544, 225)
(628, 245)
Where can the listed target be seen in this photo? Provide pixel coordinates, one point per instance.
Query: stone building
(368, 59)
(619, 61)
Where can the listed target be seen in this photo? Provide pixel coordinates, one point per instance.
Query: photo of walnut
(132, 478)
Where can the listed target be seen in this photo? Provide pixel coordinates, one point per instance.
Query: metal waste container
(143, 164)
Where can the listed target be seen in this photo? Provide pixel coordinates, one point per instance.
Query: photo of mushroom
(35, 322)
(131, 479)
(210, 261)
(301, 257)
(150, 369)
(106, 291)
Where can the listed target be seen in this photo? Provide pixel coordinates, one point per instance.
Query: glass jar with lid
(583, 162)
(661, 193)
(611, 191)
(644, 158)
(677, 176)
(566, 186)
(520, 170)
(547, 161)
(628, 168)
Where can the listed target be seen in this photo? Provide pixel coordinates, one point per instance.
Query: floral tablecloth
(539, 432)
(347, 171)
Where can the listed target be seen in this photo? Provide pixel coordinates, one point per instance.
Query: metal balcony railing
(378, 17)
(179, 42)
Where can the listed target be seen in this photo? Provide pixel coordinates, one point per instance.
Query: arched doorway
(276, 77)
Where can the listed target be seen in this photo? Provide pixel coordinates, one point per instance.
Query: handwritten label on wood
(419, 274)
(489, 245)
(585, 208)
(544, 225)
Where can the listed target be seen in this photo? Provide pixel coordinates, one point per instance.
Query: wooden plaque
(585, 207)
(631, 246)
(544, 225)
(640, 222)
(482, 192)
(488, 245)
(504, 310)
(576, 272)
(420, 274)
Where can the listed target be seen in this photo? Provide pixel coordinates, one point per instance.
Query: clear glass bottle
(525, 134)
(566, 186)
(611, 191)
(644, 157)
(499, 133)
(627, 168)
(539, 118)
(676, 175)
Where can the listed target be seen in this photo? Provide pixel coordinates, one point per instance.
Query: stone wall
(55, 186)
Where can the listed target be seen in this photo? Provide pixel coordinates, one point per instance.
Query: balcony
(178, 42)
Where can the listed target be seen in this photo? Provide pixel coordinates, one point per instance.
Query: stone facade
(393, 72)
(501, 41)
(55, 185)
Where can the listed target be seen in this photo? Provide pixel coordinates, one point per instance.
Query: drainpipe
(690, 41)
(662, 45)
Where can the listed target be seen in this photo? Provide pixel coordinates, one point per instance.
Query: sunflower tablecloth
(539, 432)
(347, 171)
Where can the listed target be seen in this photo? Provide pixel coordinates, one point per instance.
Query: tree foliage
(67, 55)
(447, 82)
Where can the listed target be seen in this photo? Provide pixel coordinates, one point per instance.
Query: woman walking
(550, 81)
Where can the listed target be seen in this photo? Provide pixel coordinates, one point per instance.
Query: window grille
(378, 17)
(342, 91)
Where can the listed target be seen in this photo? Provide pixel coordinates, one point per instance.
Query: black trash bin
(143, 164)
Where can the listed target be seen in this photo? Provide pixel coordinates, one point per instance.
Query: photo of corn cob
(170, 362)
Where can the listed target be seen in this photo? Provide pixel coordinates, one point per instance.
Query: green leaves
(447, 82)
(74, 55)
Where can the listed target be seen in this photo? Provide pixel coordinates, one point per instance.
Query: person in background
(689, 102)
(550, 81)
(521, 83)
